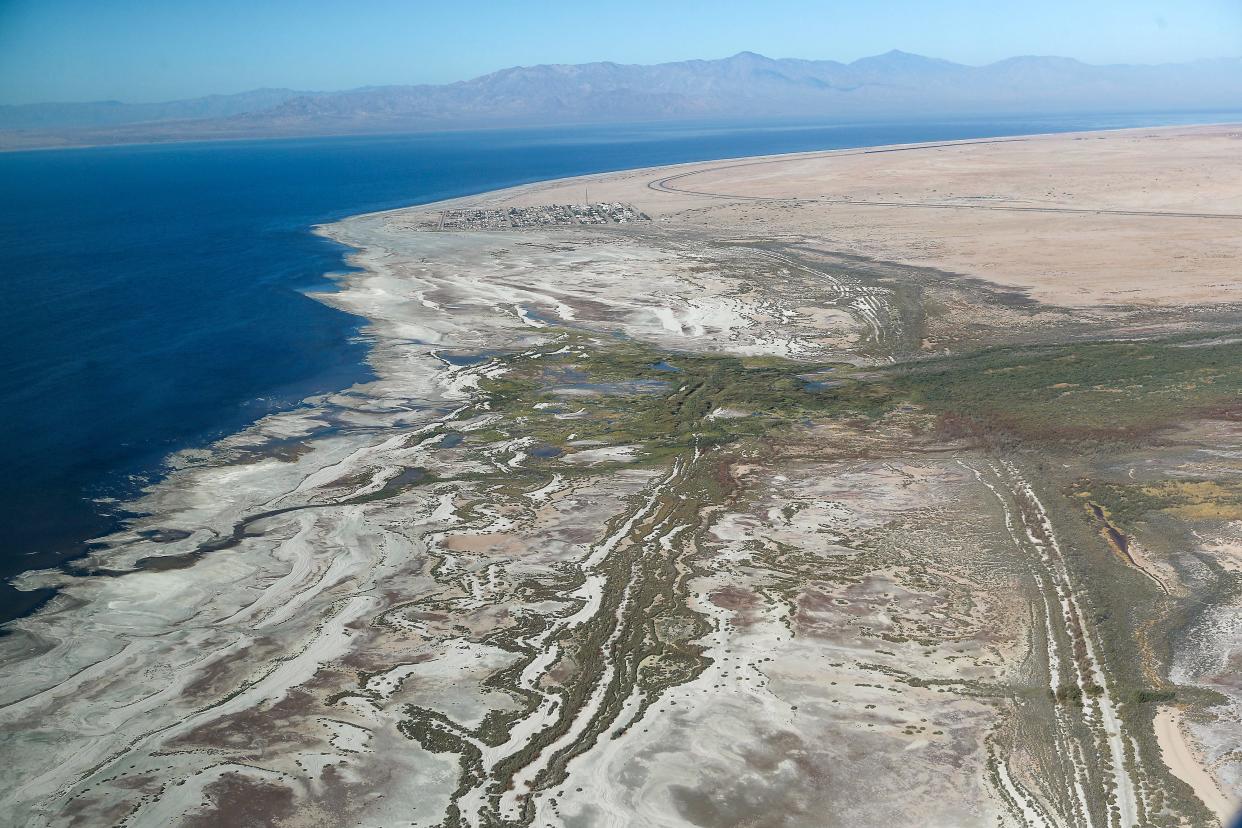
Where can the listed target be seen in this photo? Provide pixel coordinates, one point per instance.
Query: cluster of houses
(548, 215)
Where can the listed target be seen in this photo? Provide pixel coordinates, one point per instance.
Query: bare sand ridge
(638, 524)
(1188, 766)
(1131, 216)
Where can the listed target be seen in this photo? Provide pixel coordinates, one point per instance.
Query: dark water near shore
(155, 297)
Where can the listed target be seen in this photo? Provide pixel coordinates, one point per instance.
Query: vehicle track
(1077, 665)
(665, 185)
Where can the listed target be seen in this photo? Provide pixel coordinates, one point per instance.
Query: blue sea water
(154, 297)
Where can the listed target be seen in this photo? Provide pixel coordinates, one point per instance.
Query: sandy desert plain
(898, 486)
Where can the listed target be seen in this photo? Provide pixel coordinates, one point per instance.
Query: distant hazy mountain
(896, 84)
(115, 113)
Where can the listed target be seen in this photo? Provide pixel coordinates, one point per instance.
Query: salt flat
(853, 488)
(1023, 212)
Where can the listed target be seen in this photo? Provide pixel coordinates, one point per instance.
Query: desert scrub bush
(1101, 390)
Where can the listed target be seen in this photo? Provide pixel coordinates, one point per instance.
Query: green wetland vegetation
(1100, 390)
(1093, 393)
(1073, 402)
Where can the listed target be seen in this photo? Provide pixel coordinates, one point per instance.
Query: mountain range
(893, 85)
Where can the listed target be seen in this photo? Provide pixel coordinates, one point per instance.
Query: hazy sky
(144, 50)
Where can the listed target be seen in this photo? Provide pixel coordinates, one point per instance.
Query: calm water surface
(155, 297)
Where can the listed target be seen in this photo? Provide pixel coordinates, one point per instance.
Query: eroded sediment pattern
(665, 526)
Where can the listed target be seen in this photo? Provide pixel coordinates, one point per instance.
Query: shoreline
(778, 123)
(1199, 776)
(161, 469)
(158, 468)
(351, 597)
(520, 190)
(111, 490)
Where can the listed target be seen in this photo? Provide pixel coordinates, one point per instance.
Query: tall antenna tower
(586, 195)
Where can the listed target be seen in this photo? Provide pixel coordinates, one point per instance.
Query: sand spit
(1189, 767)
(1023, 212)
(596, 547)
